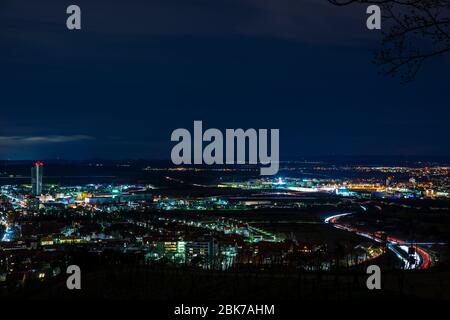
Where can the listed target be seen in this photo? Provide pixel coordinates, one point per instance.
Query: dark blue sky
(140, 69)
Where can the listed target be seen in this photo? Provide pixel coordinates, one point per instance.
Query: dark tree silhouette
(417, 30)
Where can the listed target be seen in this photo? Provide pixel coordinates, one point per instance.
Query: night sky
(141, 68)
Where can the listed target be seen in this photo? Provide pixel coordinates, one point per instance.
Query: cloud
(20, 140)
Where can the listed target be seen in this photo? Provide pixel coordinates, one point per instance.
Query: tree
(418, 30)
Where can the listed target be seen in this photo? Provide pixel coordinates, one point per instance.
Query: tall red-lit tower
(37, 173)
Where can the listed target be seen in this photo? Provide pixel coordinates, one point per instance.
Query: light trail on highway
(421, 259)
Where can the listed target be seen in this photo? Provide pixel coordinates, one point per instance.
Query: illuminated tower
(36, 178)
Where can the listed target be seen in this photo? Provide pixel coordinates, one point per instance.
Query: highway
(420, 259)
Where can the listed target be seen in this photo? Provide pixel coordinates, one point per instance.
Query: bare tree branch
(418, 30)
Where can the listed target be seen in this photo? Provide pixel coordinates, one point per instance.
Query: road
(420, 259)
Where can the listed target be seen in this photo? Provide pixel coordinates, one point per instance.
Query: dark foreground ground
(177, 284)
